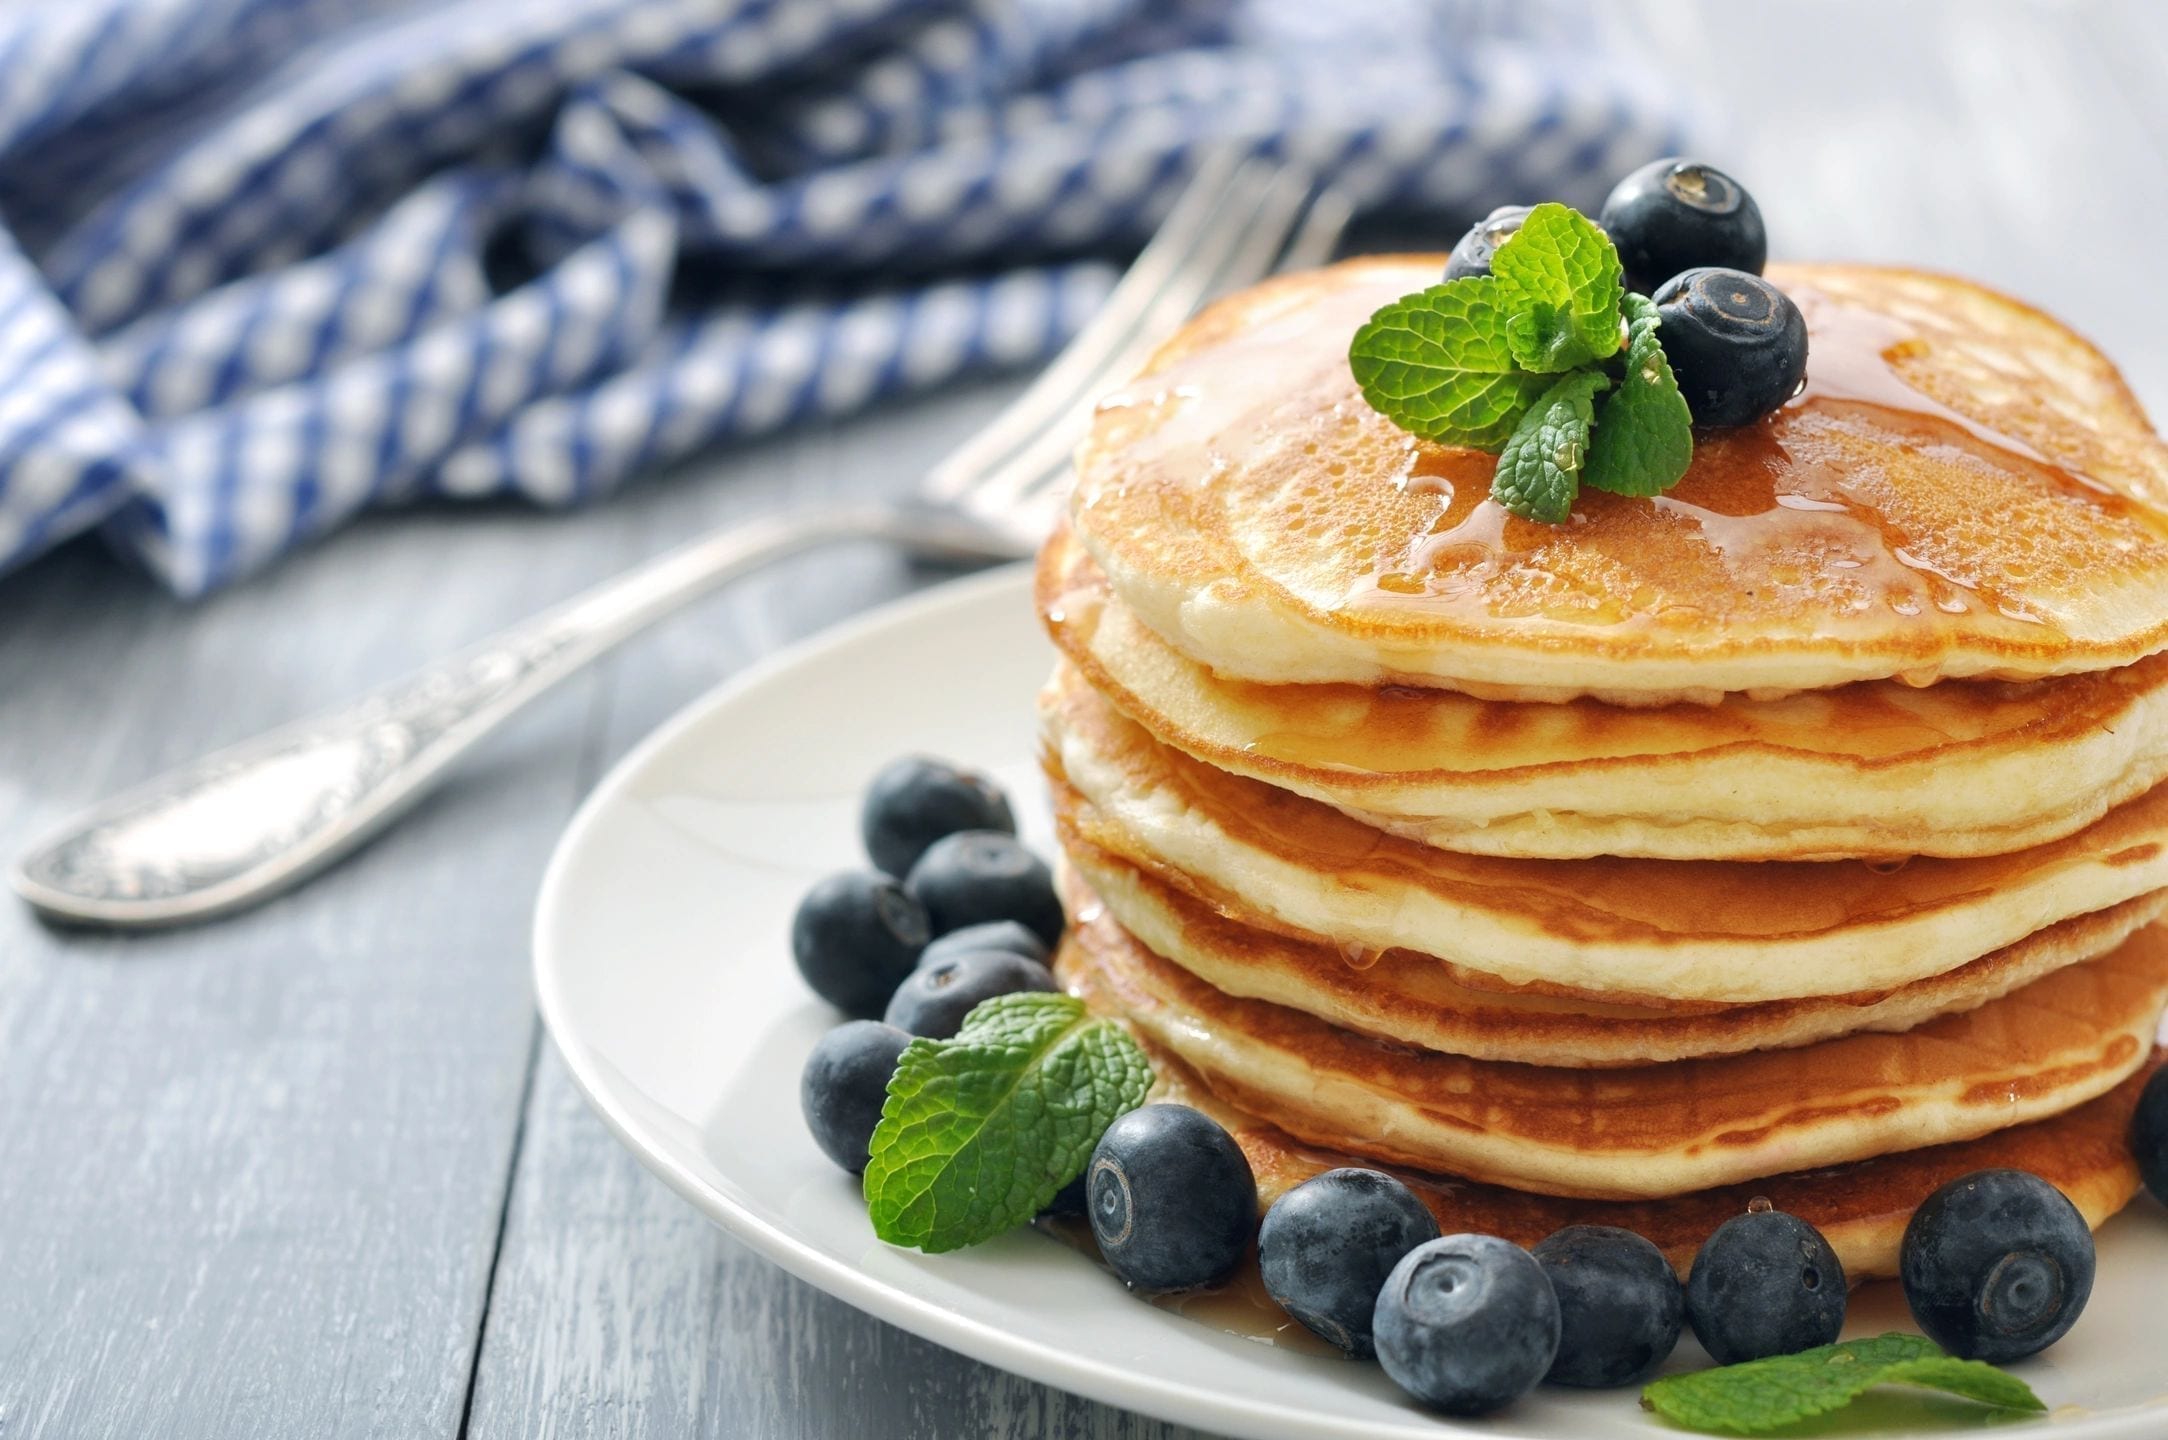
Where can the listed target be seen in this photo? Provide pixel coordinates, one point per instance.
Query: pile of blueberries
(1691, 239)
(1996, 1265)
(973, 915)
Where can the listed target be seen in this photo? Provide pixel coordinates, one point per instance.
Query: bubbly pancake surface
(1876, 769)
(1862, 1209)
(1664, 930)
(1412, 1000)
(1653, 1130)
(1964, 488)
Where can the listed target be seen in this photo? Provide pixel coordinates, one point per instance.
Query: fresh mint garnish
(1648, 435)
(980, 1131)
(1762, 1395)
(1438, 364)
(1484, 361)
(1540, 469)
(1561, 279)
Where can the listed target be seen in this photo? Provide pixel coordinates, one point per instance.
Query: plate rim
(1212, 1410)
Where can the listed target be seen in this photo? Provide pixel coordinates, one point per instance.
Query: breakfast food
(1766, 1283)
(1624, 791)
(1877, 770)
(1620, 1305)
(1966, 1291)
(1326, 1247)
(1783, 825)
(1861, 1209)
(1643, 1132)
(1965, 489)
(1466, 1323)
(1669, 931)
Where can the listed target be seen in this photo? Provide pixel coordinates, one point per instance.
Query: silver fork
(243, 824)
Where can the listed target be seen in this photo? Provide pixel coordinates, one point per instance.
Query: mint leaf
(1764, 1394)
(979, 1131)
(1436, 363)
(1539, 471)
(1512, 362)
(1545, 341)
(1562, 284)
(1644, 433)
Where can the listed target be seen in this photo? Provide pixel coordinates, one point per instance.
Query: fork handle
(237, 826)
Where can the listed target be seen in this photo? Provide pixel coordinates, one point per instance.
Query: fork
(241, 825)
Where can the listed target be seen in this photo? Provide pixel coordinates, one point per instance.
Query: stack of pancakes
(1796, 834)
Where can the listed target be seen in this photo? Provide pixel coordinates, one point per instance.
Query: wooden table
(314, 1171)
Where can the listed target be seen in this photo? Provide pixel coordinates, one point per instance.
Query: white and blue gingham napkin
(268, 262)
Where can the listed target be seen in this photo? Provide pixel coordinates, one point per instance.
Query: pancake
(1862, 1209)
(1963, 488)
(1877, 769)
(1412, 1000)
(1667, 930)
(1649, 1131)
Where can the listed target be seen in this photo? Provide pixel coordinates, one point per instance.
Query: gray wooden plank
(251, 1177)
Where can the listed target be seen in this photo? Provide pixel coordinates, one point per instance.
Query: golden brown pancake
(1648, 1131)
(1862, 1209)
(1412, 1000)
(1878, 769)
(1964, 488)
(1664, 930)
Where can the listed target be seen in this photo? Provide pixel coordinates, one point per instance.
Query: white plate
(663, 971)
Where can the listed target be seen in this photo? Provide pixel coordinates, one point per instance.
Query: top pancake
(1964, 488)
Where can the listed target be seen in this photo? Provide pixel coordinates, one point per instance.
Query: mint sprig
(1648, 436)
(981, 1130)
(1761, 1395)
(1540, 468)
(1483, 362)
(1562, 280)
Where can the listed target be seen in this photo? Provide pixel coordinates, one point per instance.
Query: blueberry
(1172, 1199)
(1327, 1245)
(2149, 1135)
(934, 999)
(982, 875)
(1737, 344)
(855, 937)
(844, 1084)
(1673, 215)
(1472, 256)
(1006, 936)
(1620, 1306)
(916, 800)
(1467, 1324)
(1997, 1265)
(1766, 1283)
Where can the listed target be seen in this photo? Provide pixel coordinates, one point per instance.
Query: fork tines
(1237, 221)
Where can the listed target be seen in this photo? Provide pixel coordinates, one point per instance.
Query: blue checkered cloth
(267, 263)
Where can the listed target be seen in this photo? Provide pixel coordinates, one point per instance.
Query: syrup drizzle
(1859, 368)
(1764, 499)
(1239, 1305)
